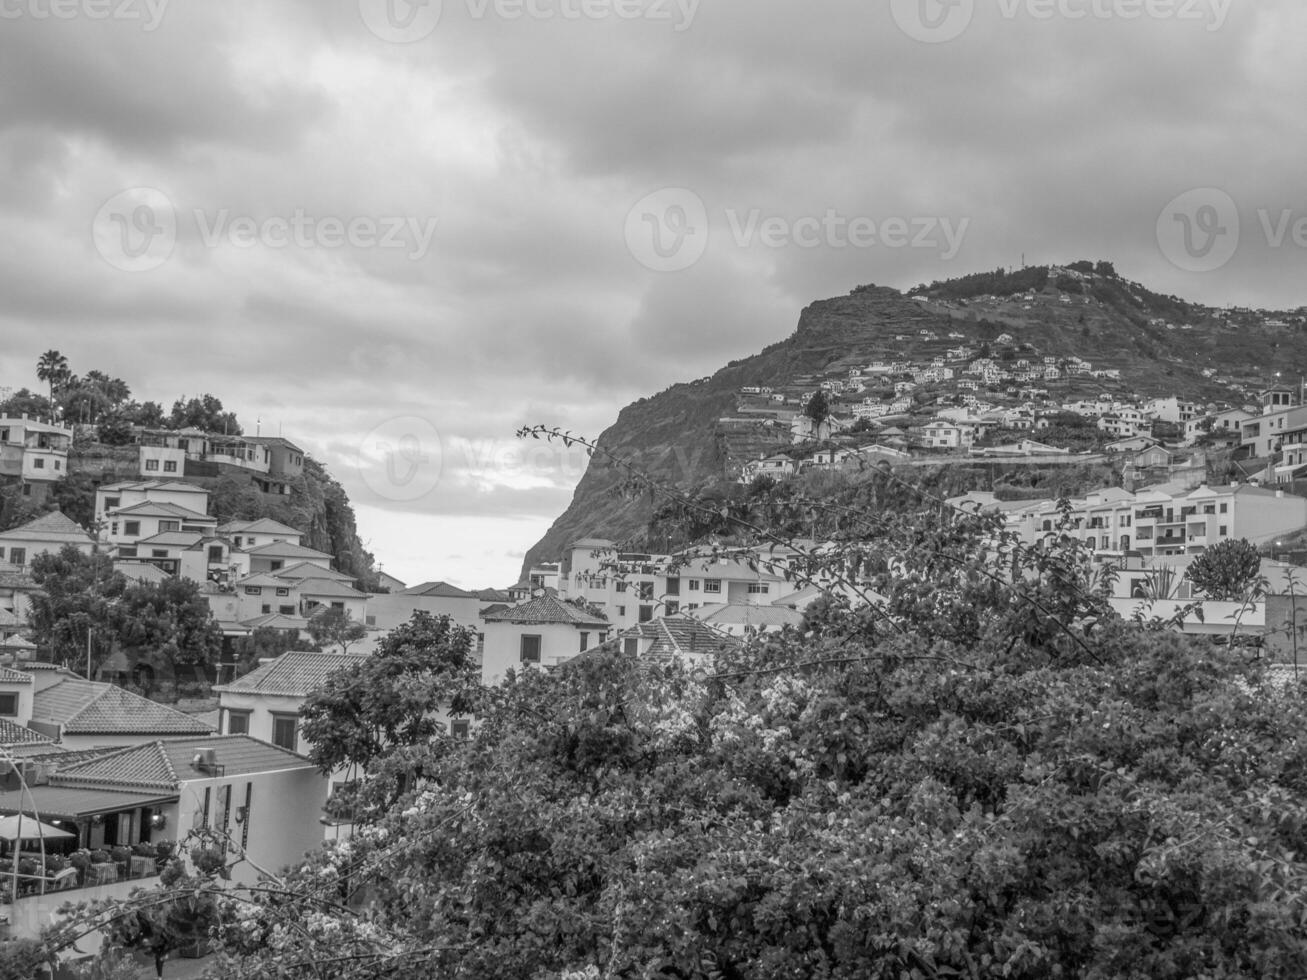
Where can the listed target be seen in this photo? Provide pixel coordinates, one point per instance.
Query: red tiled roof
(148, 508)
(328, 587)
(284, 549)
(10, 676)
(442, 590)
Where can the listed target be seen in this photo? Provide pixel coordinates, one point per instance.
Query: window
(266, 609)
(131, 529)
(110, 503)
(169, 526)
(56, 464)
(621, 610)
(158, 552)
(283, 731)
(481, 641)
(38, 463)
(673, 608)
(238, 722)
(127, 552)
(290, 611)
(631, 647)
(338, 605)
(673, 586)
(368, 620)
(646, 613)
(712, 585)
(170, 466)
(283, 592)
(151, 465)
(530, 649)
(27, 489)
(253, 590)
(759, 588)
(9, 705)
(18, 556)
(585, 642)
(460, 728)
(694, 585)
(1224, 530)
(622, 586)
(275, 565)
(1225, 508)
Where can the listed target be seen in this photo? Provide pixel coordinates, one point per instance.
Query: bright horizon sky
(178, 189)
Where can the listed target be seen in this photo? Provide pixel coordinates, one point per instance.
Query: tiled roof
(274, 441)
(165, 765)
(306, 569)
(173, 486)
(276, 621)
(293, 674)
(151, 508)
(10, 676)
(16, 580)
(12, 734)
(547, 608)
(31, 665)
(49, 527)
(264, 525)
(71, 803)
(329, 587)
(264, 580)
(91, 708)
(442, 590)
(175, 539)
(675, 636)
(141, 571)
(743, 614)
(493, 595)
(284, 549)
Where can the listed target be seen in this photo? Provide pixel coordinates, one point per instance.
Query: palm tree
(52, 368)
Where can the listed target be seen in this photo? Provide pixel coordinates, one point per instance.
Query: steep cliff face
(675, 437)
(1160, 345)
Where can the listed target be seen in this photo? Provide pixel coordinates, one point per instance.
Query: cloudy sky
(397, 231)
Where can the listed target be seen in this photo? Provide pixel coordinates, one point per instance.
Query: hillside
(1143, 344)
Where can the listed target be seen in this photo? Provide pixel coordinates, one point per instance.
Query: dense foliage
(1227, 570)
(981, 772)
(82, 594)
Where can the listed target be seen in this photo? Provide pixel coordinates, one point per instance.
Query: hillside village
(1006, 398)
(119, 751)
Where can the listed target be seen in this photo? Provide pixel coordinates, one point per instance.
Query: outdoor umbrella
(33, 829)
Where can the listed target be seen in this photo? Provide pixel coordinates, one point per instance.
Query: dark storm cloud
(528, 142)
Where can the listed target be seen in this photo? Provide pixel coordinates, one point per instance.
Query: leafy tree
(980, 771)
(147, 414)
(205, 413)
(170, 620)
(390, 700)
(76, 600)
(115, 429)
(265, 643)
(52, 368)
(336, 627)
(24, 402)
(1226, 571)
(81, 593)
(818, 408)
(74, 496)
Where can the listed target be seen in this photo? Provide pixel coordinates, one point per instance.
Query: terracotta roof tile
(50, 527)
(12, 734)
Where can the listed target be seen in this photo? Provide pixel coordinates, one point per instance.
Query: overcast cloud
(438, 227)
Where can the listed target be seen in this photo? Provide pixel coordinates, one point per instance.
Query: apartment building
(1169, 520)
(637, 588)
(33, 454)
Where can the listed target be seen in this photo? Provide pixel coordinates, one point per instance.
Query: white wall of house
(504, 645)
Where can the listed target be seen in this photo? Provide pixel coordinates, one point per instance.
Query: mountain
(700, 432)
